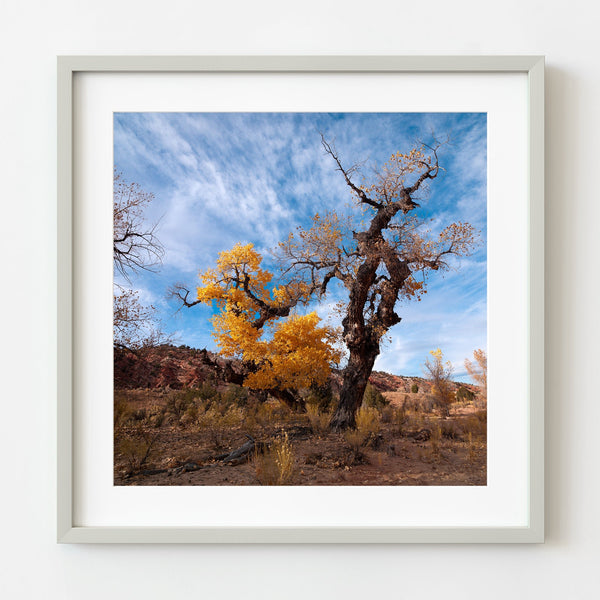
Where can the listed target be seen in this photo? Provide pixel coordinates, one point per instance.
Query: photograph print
(300, 299)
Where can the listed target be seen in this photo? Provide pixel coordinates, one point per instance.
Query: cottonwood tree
(281, 352)
(135, 248)
(478, 370)
(381, 259)
(384, 260)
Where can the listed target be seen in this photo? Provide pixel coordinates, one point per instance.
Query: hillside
(182, 367)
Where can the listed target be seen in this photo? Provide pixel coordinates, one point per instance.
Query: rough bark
(355, 379)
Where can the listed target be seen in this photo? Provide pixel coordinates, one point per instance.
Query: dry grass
(276, 465)
(368, 425)
(196, 428)
(319, 421)
(435, 443)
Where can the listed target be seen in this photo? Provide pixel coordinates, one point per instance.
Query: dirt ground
(158, 444)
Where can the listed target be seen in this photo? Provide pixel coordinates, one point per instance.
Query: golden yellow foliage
(255, 323)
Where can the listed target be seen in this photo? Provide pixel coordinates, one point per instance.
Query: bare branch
(329, 148)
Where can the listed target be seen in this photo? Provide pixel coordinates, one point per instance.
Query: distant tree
(439, 374)
(478, 370)
(135, 248)
(135, 325)
(135, 245)
(414, 388)
(373, 398)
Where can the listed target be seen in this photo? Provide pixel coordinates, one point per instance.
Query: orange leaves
(412, 289)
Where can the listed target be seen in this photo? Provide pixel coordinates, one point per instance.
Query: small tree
(281, 352)
(478, 370)
(414, 388)
(440, 375)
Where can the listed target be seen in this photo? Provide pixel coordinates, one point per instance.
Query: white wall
(33, 33)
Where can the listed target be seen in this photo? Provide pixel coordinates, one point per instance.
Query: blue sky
(222, 178)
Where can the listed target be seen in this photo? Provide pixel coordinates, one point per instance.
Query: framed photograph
(300, 299)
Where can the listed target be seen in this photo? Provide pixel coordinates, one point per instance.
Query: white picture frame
(69, 531)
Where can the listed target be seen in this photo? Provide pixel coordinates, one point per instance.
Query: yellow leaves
(438, 361)
(236, 279)
(298, 355)
(292, 352)
(234, 334)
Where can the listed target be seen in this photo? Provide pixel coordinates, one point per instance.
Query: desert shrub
(463, 394)
(216, 424)
(178, 402)
(190, 416)
(373, 398)
(249, 423)
(399, 419)
(139, 414)
(265, 413)
(414, 388)
(234, 395)
(206, 391)
(414, 422)
(427, 404)
(476, 423)
(276, 464)
(232, 417)
(471, 448)
(136, 447)
(122, 412)
(367, 420)
(434, 442)
(388, 414)
(450, 430)
(355, 439)
(319, 421)
(272, 413)
(480, 402)
(322, 397)
(411, 404)
(155, 416)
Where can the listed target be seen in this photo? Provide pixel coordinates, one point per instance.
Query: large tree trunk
(355, 379)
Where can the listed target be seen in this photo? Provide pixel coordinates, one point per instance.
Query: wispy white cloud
(224, 178)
